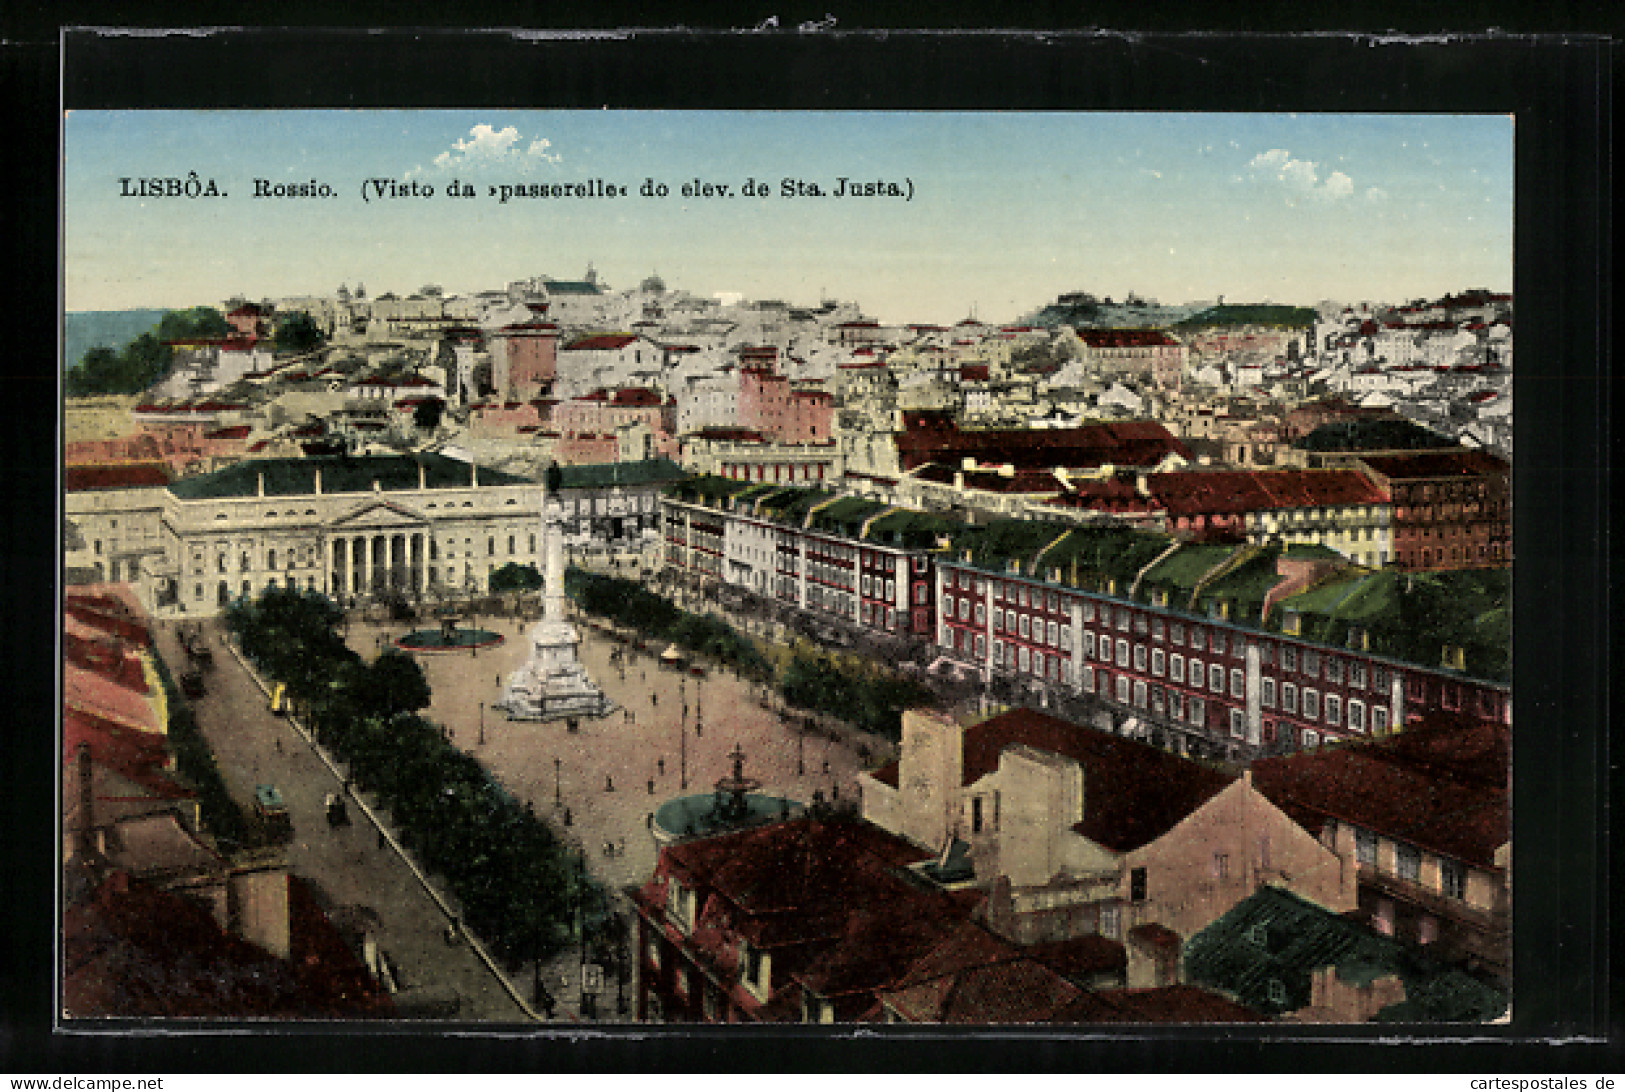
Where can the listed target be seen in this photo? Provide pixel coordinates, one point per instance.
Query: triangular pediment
(377, 514)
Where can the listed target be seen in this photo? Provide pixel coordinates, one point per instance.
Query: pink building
(525, 359)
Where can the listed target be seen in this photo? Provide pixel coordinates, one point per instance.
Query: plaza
(610, 774)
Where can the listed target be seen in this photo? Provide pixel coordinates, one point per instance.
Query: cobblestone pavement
(345, 863)
(613, 772)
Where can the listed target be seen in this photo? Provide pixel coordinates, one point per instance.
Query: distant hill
(87, 330)
(1251, 314)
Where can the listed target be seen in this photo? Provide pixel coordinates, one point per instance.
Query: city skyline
(1007, 210)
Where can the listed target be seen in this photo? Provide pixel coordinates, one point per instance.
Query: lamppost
(557, 797)
(482, 724)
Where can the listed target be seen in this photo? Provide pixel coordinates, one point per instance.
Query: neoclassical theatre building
(351, 527)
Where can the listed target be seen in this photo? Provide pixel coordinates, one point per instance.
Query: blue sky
(1008, 211)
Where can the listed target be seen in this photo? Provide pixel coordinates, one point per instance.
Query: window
(1221, 866)
(1357, 675)
(998, 619)
(1086, 679)
(1023, 624)
(1066, 638)
(1289, 658)
(1238, 724)
(1195, 672)
(1089, 643)
(1139, 657)
(1334, 710)
(976, 814)
(1156, 628)
(1159, 662)
(1198, 638)
(1176, 705)
(1176, 633)
(1311, 663)
(1311, 738)
(1088, 610)
(1267, 692)
(1407, 862)
(1453, 879)
(1238, 682)
(1334, 669)
(1176, 667)
(1215, 678)
(1379, 718)
(919, 594)
(1311, 703)
(1111, 920)
(1123, 689)
(1218, 641)
(1122, 652)
(1289, 697)
(1140, 695)
(1023, 658)
(964, 610)
(1137, 885)
(1198, 712)
(981, 614)
(1365, 847)
(1051, 632)
(981, 645)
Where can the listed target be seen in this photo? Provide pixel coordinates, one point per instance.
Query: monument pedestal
(552, 683)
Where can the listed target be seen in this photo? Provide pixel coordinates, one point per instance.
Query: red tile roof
(1465, 463)
(1442, 784)
(601, 341)
(1193, 492)
(87, 477)
(1122, 339)
(1133, 793)
(1164, 1005)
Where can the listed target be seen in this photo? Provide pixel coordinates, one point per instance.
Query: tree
(516, 577)
(393, 684)
(298, 333)
(193, 322)
(428, 413)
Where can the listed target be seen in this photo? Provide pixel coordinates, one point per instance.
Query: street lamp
(482, 724)
(557, 798)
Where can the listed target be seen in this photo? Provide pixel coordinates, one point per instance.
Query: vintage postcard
(591, 567)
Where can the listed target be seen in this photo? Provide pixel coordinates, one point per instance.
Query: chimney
(318, 481)
(261, 490)
(423, 478)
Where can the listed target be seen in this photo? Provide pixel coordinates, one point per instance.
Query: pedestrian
(609, 784)
(649, 820)
(660, 764)
(279, 745)
(651, 786)
(654, 699)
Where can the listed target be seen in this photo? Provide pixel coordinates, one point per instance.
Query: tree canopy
(516, 577)
(145, 360)
(428, 412)
(298, 333)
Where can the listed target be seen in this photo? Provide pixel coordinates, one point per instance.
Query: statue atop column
(552, 684)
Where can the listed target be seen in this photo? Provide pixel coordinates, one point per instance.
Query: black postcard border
(1558, 88)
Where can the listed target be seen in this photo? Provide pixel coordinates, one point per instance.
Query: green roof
(705, 488)
(1100, 553)
(599, 475)
(1244, 587)
(794, 503)
(846, 516)
(993, 545)
(1183, 569)
(1266, 949)
(911, 530)
(1412, 616)
(340, 474)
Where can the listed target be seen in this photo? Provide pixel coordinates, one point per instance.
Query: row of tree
(864, 694)
(194, 762)
(630, 604)
(519, 885)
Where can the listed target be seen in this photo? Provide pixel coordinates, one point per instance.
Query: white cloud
(487, 146)
(1300, 176)
(1376, 193)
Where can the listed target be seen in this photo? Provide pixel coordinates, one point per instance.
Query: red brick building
(1452, 509)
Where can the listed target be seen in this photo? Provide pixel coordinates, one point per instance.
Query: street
(344, 864)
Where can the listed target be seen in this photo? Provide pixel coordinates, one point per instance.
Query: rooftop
(340, 474)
